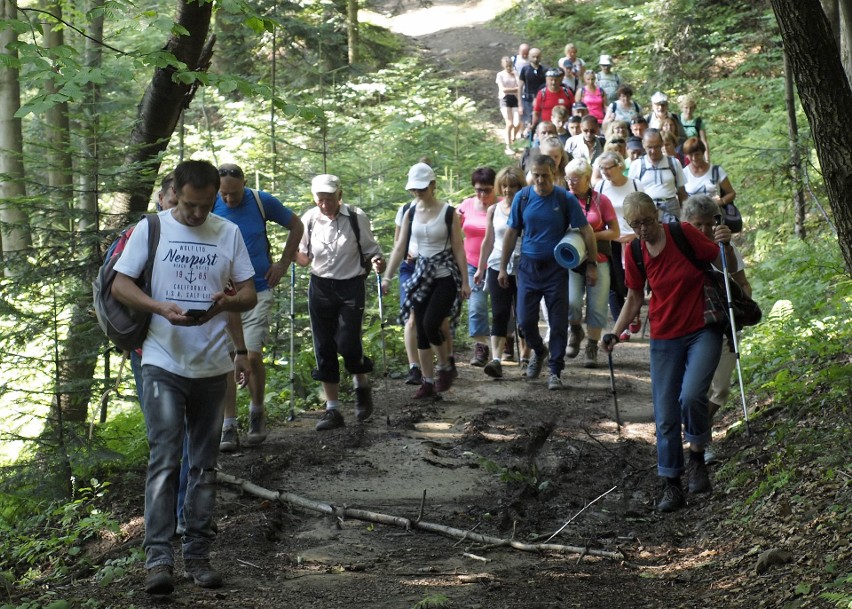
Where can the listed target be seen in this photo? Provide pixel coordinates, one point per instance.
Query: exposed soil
(556, 451)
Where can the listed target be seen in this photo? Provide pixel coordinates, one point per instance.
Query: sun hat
(325, 182)
(419, 177)
(659, 98)
(605, 60)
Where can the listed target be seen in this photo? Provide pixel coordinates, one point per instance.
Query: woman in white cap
(439, 280)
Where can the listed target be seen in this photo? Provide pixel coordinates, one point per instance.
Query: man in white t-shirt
(661, 176)
(184, 363)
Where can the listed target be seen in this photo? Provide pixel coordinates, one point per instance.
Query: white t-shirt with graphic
(193, 263)
(703, 185)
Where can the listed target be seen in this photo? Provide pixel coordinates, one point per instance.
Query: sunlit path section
(419, 21)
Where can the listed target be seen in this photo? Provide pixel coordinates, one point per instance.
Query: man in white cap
(608, 80)
(250, 210)
(339, 246)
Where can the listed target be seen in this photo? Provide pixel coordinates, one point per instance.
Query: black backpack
(127, 328)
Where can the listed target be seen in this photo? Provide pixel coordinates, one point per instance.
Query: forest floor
(506, 458)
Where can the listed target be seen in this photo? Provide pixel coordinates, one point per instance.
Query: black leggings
(502, 302)
(429, 314)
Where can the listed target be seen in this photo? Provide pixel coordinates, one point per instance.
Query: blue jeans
(175, 406)
(539, 279)
(406, 270)
(595, 297)
(477, 306)
(681, 372)
(527, 105)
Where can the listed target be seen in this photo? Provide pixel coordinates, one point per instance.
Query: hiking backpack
(126, 328)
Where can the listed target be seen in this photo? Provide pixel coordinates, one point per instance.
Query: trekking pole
(609, 338)
(382, 324)
(733, 328)
(292, 416)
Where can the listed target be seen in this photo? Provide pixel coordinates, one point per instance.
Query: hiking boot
(257, 428)
(575, 339)
(200, 572)
(230, 440)
(672, 498)
(443, 380)
(696, 471)
(509, 350)
(415, 376)
(160, 580)
(536, 360)
(591, 357)
(363, 403)
(554, 383)
(331, 419)
(494, 369)
(480, 355)
(426, 391)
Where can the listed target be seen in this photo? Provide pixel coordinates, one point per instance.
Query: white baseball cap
(419, 177)
(325, 182)
(605, 60)
(659, 98)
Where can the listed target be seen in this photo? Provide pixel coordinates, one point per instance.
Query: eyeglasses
(418, 191)
(483, 191)
(606, 167)
(642, 223)
(234, 173)
(574, 179)
(617, 140)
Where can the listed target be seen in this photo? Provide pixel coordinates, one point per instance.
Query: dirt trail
(506, 457)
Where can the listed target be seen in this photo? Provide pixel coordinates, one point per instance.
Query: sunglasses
(234, 173)
(483, 191)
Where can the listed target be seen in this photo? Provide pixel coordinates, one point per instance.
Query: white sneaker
(554, 383)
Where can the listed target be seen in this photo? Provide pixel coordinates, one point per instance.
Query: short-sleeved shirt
(545, 220)
(546, 101)
(616, 195)
(533, 79)
(677, 302)
(193, 263)
(473, 222)
(331, 245)
(703, 185)
(247, 216)
(600, 214)
(505, 81)
(660, 180)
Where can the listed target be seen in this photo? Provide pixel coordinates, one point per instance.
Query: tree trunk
(89, 165)
(14, 226)
(827, 100)
(795, 156)
(839, 14)
(352, 30)
(161, 106)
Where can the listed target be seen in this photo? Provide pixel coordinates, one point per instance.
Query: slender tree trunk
(795, 156)
(352, 30)
(89, 168)
(827, 100)
(161, 106)
(14, 224)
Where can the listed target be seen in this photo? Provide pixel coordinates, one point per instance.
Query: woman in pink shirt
(473, 213)
(593, 96)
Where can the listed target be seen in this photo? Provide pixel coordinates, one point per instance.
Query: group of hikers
(214, 273)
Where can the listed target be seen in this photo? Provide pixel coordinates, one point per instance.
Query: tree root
(405, 523)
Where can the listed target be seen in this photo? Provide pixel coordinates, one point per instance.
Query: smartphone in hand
(198, 313)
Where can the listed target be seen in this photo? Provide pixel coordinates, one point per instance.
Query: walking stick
(292, 416)
(382, 324)
(614, 393)
(733, 328)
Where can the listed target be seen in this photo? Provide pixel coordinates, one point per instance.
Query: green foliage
(433, 601)
(842, 597)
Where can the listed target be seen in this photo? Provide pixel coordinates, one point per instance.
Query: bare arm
(458, 252)
(487, 245)
(509, 242)
(730, 193)
(242, 369)
(398, 253)
(278, 269)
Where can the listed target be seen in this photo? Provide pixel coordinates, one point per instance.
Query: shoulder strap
(698, 126)
(636, 247)
(674, 173)
(448, 218)
(635, 186)
(600, 187)
(153, 242)
(525, 197)
(684, 245)
(714, 172)
(353, 220)
(642, 167)
(259, 203)
(410, 210)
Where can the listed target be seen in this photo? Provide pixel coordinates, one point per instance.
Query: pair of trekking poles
(734, 344)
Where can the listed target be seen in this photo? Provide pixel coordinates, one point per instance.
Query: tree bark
(14, 225)
(795, 156)
(352, 30)
(160, 109)
(827, 100)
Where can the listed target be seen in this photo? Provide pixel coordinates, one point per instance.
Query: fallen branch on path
(405, 523)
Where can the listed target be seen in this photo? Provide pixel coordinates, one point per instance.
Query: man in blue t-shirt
(251, 210)
(544, 213)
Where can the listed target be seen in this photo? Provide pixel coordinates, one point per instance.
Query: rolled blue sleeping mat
(571, 250)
